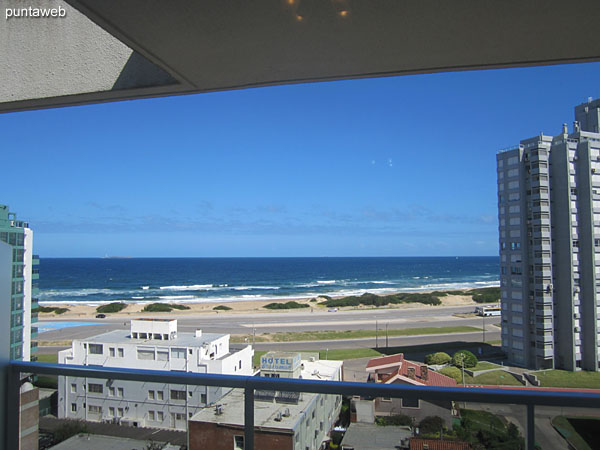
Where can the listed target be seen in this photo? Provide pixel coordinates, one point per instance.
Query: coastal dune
(80, 311)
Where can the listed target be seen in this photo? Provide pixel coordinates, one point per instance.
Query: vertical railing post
(248, 418)
(13, 391)
(530, 426)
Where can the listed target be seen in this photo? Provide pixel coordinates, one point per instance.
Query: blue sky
(399, 166)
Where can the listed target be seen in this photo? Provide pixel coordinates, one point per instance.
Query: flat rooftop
(265, 412)
(100, 442)
(368, 436)
(182, 339)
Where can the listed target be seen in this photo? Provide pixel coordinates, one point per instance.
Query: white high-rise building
(549, 224)
(22, 269)
(152, 344)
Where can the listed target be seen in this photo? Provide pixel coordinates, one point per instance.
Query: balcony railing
(528, 398)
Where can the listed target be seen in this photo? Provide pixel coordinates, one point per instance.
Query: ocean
(97, 281)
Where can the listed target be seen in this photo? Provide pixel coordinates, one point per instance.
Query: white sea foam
(229, 293)
(145, 288)
(244, 288)
(192, 287)
(74, 292)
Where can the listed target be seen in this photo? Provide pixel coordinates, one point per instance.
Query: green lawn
(360, 334)
(495, 378)
(563, 378)
(484, 365)
(563, 426)
(53, 358)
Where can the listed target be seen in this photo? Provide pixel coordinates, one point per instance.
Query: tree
(469, 359)
(431, 424)
(438, 358)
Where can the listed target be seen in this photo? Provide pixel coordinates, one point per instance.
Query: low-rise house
(282, 420)
(395, 369)
(152, 344)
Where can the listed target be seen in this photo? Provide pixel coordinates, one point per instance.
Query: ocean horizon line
(258, 257)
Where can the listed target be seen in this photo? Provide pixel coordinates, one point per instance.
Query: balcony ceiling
(213, 45)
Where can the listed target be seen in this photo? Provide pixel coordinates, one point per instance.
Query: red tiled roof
(385, 360)
(433, 378)
(433, 444)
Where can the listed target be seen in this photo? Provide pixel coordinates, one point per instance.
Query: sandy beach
(79, 311)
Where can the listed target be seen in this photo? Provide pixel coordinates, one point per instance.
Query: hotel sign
(281, 362)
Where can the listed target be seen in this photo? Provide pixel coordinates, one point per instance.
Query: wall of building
(5, 299)
(214, 436)
(27, 293)
(29, 417)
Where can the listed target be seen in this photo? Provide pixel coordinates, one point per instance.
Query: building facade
(152, 344)
(549, 225)
(282, 420)
(21, 302)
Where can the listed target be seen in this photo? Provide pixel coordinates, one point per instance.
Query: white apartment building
(549, 224)
(290, 420)
(151, 344)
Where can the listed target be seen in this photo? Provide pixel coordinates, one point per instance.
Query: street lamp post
(386, 335)
(376, 334)
(483, 321)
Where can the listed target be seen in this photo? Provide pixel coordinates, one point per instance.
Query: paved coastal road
(306, 321)
(292, 321)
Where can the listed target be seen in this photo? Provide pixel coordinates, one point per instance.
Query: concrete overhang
(105, 50)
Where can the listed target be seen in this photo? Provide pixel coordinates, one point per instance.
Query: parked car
(333, 310)
(100, 316)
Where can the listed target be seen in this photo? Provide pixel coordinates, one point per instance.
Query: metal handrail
(529, 398)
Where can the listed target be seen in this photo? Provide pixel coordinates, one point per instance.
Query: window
(120, 392)
(238, 443)
(111, 351)
(151, 415)
(159, 395)
(96, 349)
(121, 353)
(162, 355)
(120, 412)
(240, 365)
(111, 391)
(160, 416)
(386, 399)
(145, 353)
(190, 394)
(73, 388)
(202, 398)
(177, 395)
(111, 411)
(178, 353)
(93, 409)
(95, 388)
(73, 407)
(179, 416)
(410, 403)
(150, 395)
